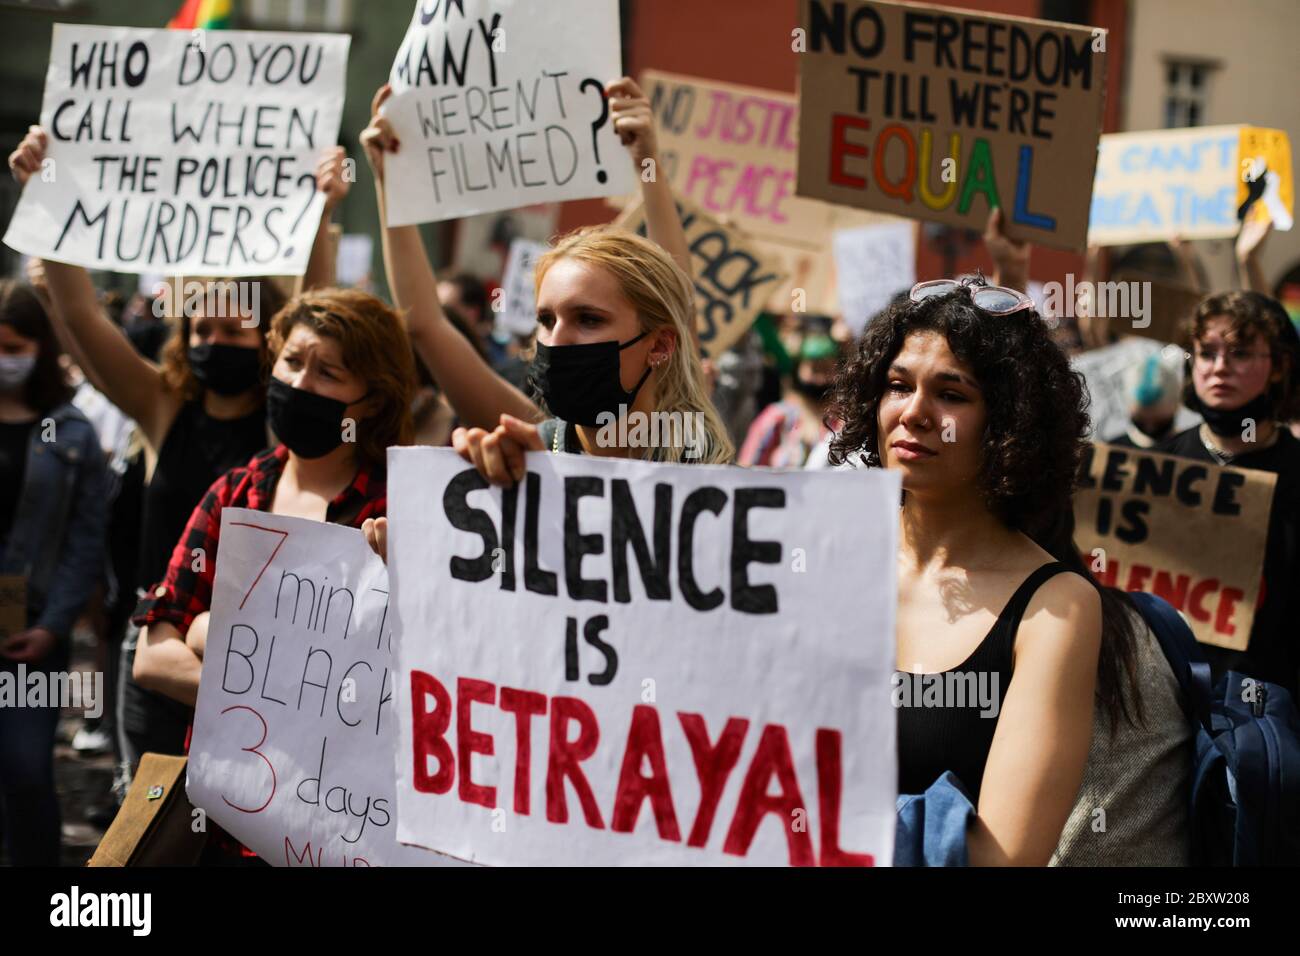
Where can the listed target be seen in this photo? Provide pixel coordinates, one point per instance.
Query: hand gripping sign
(616, 662)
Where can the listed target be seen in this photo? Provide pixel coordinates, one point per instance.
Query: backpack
(1245, 786)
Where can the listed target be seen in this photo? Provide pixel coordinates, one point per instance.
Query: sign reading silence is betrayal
(1197, 183)
(501, 103)
(940, 114)
(1188, 531)
(623, 663)
(294, 732)
(180, 152)
(734, 278)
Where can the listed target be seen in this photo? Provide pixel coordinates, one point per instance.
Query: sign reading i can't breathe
(294, 731)
(941, 114)
(623, 663)
(188, 153)
(499, 104)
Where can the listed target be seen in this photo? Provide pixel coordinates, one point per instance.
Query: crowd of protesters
(123, 435)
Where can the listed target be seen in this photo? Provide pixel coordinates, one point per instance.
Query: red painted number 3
(253, 750)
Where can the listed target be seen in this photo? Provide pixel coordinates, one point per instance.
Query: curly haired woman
(961, 389)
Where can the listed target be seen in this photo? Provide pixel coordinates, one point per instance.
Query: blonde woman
(616, 362)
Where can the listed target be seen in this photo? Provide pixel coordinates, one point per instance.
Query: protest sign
(596, 671)
(731, 150)
(872, 264)
(1195, 183)
(501, 103)
(734, 278)
(518, 314)
(188, 153)
(941, 114)
(294, 730)
(1188, 531)
(1103, 372)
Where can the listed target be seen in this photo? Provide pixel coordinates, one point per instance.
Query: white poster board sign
(622, 663)
(294, 731)
(500, 103)
(184, 153)
(518, 315)
(872, 263)
(1103, 373)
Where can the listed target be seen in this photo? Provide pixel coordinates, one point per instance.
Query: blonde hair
(664, 298)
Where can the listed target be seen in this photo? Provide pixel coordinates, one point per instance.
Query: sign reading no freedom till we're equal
(942, 114)
(618, 662)
(499, 104)
(294, 730)
(185, 153)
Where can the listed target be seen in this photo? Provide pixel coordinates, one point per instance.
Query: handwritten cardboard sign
(501, 103)
(1104, 370)
(1188, 531)
(1198, 183)
(184, 153)
(941, 114)
(734, 276)
(294, 731)
(13, 605)
(617, 662)
(731, 150)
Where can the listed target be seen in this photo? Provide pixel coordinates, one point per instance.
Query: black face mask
(1228, 421)
(813, 391)
(226, 369)
(310, 425)
(579, 382)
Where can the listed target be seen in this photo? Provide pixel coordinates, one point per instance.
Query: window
(331, 16)
(1185, 93)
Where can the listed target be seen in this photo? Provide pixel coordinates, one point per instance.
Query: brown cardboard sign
(733, 277)
(13, 605)
(942, 114)
(731, 150)
(1188, 531)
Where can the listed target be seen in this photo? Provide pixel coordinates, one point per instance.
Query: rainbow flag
(202, 15)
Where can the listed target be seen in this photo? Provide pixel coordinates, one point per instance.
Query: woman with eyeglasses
(1244, 380)
(961, 389)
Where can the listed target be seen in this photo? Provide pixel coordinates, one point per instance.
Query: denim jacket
(931, 827)
(57, 538)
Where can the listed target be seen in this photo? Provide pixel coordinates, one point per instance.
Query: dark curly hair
(1035, 435)
(1251, 314)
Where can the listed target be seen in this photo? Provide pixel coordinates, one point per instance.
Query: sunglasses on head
(994, 299)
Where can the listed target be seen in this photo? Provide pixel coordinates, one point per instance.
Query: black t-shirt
(1274, 650)
(15, 438)
(197, 451)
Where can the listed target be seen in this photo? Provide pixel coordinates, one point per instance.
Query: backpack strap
(1181, 651)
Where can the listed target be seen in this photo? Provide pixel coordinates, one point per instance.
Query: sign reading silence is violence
(500, 104)
(940, 114)
(1190, 532)
(182, 152)
(622, 663)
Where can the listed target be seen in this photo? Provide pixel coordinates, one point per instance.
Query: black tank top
(197, 451)
(940, 726)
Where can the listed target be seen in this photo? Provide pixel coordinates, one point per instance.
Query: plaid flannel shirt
(185, 593)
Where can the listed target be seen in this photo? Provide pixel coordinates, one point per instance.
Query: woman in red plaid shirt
(340, 394)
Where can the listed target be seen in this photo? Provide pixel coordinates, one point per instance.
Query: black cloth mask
(580, 382)
(1228, 421)
(310, 425)
(226, 369)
